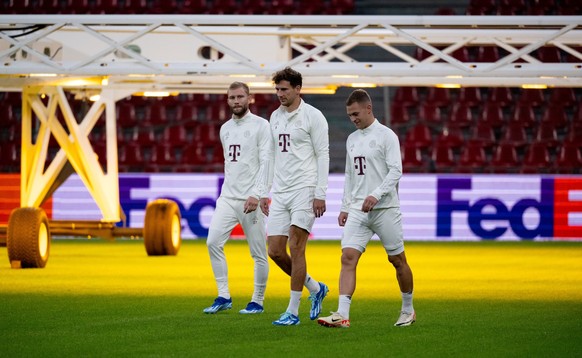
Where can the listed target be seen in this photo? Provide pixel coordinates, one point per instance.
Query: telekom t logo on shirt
(233, 152)
(360, 165)
(284, 141)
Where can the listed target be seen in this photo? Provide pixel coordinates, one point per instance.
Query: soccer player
(370, 206)
(247, 145)
(301, 155)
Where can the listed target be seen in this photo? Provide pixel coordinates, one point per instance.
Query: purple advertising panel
(434, 207)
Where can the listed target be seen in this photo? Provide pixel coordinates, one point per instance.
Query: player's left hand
(318, 207)
(251, 205)
(369, 203)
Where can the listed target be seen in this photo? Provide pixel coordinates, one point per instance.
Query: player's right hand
(264, 204)
(342, 218)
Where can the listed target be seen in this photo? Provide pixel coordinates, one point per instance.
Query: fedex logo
(191, 213)
(490, 217)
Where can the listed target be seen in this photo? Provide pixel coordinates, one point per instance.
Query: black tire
(162, 232)
(29, 237)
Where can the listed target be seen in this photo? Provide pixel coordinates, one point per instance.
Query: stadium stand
(496, 129)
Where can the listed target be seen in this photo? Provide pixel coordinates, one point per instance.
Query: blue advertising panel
(434, 207)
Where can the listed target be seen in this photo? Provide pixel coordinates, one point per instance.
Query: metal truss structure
(203, 53)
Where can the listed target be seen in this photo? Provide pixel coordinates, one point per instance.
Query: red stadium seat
(193, 7)
(420, 136)
(442, 156)
(135, 7)
(176, 136)
(399, 116)
(80, 7)
(406, 96)
(144, 136)
(430, 114)
(501, 96)
(336, 7)
(563, 95)
(487, 54)
(156, 114)
(548, 54)
(461, 54)
(518, 4)
(483, 134)
(7, 118)
(533, 97)
(483, 4)
(547, 134)
(537, 159)
(556, 114)
(207, 133)
(470, 96)
(313, 8)
(194, 153)
(126, 116)
(412, 160)
(218, 112)
(256, 7)
(223, 7)
(445, 11)
(505, 159)
(473, 158)
(12, 98)
(49, 7)
(451, 137)
(438, 96)
(492, 114)
(514, 134)
(163, 158)
(569, 158)
(187, 112)
(524, 115)
(131, 158)
(461, 116)
(9, 158)
(108, 7)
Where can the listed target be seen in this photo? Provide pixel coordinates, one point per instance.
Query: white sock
(311, 284)
(344, 306)
(223, 290)
(407, 302)
(259, 294)
(294, 302)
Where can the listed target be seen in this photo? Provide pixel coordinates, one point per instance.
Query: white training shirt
(301, 147)
(373, 167)
(247, 146)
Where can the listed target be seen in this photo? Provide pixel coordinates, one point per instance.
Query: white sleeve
(264, 176)
(320, 142)
(394, 163)
(347, 198)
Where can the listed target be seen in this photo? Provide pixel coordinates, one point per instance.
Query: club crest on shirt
(226, 135)
(372, 144)
(247, 134)
(298, 124)
(352, 147)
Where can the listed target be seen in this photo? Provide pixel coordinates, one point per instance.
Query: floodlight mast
(119, 55)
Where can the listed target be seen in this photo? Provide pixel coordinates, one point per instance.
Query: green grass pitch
(108, 299)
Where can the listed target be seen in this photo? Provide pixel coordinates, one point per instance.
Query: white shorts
(386, 223)
(291, 208)
(229, 213)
